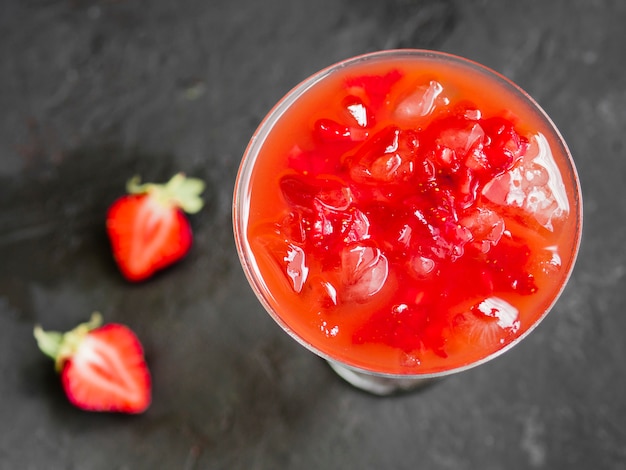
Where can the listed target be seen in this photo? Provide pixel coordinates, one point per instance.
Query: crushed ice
(505, 314)
(296, 267)
(421, 102)
(364, 271)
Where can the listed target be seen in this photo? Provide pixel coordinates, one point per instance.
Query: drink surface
(411, 215)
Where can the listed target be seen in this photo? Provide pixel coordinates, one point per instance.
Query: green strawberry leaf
(180, 191)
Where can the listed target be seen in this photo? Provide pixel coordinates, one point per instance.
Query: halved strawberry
(102, 367)
(148, 228)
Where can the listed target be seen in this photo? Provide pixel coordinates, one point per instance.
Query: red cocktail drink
(407, 213)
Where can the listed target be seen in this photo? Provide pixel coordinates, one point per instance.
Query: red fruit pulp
(146, 236)
(410, 215)
(108, 372)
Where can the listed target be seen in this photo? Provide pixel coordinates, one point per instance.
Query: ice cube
(503, 145)
(389, 156)
(555, 180)
(334, 223)
(420, 102)
(459, 145)
(449, 243)
(388, 168)
(472, 113)
(550, 201)
(356, 226)
(550, 260)
(425, 170)
(320, 227)
(287, 259)
(292, 226)
(505, 314)
(462, 138)
(498, 189)
(476, 160)
(296, 266)
(542, 205)
(536, 175)
(334, 195)
(321, 207)
(490, 323)
(422, 266)
(364, 271)
(485, 225)
(533, 184)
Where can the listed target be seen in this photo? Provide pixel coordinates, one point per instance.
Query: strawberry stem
(61, 346)
(179, 191)
(48, 341)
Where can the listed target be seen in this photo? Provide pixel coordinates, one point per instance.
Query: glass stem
(378, 385)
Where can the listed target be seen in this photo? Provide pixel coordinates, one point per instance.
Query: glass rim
(244, 173)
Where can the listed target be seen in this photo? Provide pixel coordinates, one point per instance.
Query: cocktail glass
(544, 186)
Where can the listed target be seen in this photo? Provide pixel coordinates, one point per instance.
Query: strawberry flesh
(102, 367)
(146, 236)
(148, 228)
(108, 372)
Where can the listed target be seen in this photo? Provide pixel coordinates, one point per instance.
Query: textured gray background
(92, 92)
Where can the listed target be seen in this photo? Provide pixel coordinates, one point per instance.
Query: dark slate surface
(92, 92)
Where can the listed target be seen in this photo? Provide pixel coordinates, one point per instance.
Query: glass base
(378, 385)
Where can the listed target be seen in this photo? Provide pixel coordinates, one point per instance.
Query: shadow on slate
(52, 217)
(421, 24)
